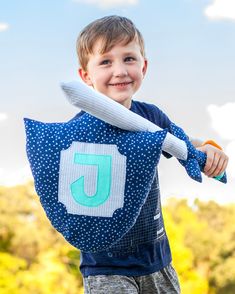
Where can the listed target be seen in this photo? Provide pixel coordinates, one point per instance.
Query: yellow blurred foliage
(34, 258)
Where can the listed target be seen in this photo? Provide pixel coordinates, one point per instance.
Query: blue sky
(190, 46)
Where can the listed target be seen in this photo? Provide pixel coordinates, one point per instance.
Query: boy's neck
(127, 104)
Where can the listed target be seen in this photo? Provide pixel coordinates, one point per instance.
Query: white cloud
(221, 9)
(109, 3)
(3, 116)
(3, 26)
(223, 119)
(230, 150)
(15, 177)
(223, 122)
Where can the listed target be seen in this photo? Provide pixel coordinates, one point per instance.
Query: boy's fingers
(209, 163)
(219, 167)
(212, 165)
(223, 166)
(216, 162)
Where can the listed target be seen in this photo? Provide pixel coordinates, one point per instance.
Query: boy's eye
(129, 58)
(104, 62)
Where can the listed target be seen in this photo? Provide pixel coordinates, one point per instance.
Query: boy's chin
(124, 102)
(120, 99)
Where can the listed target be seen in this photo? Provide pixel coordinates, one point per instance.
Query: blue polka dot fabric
(196, 159)
(45, 144)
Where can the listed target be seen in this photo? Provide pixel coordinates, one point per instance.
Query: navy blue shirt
(145, 248)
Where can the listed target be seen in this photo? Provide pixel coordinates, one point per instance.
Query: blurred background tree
(34, 258)
(203, 243)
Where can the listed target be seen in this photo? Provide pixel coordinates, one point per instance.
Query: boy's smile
(117, 73)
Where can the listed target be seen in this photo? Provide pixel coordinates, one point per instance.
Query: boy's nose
(119, 70)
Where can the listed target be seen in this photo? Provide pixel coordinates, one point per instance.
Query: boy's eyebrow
(105, 55)
(108, 54)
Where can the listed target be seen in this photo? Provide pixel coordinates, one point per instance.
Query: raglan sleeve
(158, 117)
(78, 115)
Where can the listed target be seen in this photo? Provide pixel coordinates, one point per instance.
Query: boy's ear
(84, 76)
(145, 66)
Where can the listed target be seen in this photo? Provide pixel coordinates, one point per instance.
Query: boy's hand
(216, 162)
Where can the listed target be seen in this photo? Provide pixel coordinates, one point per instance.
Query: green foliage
(10, 268)
(34, 258)
(177, 219)
(203, 243)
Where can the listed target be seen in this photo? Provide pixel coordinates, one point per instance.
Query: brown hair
(111, 30)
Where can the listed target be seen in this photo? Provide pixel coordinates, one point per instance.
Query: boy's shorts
(161, 282)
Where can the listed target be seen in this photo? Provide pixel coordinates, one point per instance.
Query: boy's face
(117, 73)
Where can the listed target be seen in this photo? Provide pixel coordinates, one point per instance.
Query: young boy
(112, 60)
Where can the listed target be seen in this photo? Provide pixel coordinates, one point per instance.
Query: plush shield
(92, 178)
